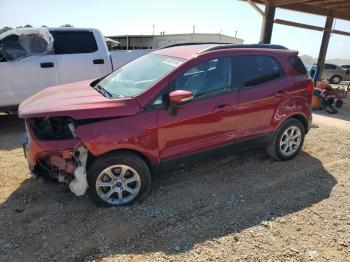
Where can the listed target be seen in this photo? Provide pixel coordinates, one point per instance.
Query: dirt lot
(244, 207)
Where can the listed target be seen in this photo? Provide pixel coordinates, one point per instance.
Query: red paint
(198, 124)
(179, 96)
(78, 100)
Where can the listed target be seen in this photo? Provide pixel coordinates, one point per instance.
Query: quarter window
(256, 70)
(297, 64)
(74, 42)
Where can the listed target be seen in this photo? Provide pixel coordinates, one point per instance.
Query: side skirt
(217, 152)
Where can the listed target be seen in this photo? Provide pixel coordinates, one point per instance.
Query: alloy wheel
(118, 184)
(290, 140)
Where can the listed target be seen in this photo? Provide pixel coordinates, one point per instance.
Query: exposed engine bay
(67, 166)
(52, 128)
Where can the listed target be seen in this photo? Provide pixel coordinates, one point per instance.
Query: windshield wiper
(102, 91)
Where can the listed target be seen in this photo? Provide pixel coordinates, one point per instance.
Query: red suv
(161, 110)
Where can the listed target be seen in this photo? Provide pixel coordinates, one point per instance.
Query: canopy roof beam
(329, 8)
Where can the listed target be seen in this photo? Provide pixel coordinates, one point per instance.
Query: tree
(307, 60)
(4, 29)
(67, 25)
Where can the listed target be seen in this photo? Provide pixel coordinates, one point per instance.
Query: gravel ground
(244, 207)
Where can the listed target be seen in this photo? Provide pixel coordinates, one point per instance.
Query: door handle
(46, 65)
(98, 61)
(220, 108)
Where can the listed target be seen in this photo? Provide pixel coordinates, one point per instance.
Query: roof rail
(195, 43)
(228, 46)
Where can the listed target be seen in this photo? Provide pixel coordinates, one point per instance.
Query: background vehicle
(332, 73)
(78, 54)
(164, 109)
(346, 66)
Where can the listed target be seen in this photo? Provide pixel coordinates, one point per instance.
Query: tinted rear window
(297, 64)
(74, 42)
(258, 69)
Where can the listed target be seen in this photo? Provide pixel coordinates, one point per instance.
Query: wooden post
(266, 31)
(324, 45)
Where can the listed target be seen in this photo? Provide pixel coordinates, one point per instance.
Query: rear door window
(74, 42)
(258, 69)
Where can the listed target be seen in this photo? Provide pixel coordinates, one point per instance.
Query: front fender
(137, 133)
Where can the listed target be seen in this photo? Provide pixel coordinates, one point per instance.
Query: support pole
(127, 42)
(324, 45)
(267, 26)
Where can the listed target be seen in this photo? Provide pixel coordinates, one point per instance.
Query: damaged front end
(53, 150)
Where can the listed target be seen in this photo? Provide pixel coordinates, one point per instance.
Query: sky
(114, 17)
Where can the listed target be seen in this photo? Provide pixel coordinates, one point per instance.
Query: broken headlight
(53, 128)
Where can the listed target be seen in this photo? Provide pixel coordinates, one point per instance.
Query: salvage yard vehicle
(33, 59)
(332, 73)
(173, 106)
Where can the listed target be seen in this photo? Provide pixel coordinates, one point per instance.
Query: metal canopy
(330, 8)
(334, 8)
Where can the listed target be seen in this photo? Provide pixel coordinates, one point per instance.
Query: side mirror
(178, 97)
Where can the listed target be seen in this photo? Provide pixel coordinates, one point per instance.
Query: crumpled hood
(77, 100)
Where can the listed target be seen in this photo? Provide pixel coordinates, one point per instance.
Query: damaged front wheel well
(92, 158)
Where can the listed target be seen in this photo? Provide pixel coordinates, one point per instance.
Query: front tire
(118, 179)
(287, 141)
(336, 79)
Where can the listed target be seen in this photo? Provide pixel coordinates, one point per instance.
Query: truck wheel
(287, 141)
(336, 79)
(118, 179)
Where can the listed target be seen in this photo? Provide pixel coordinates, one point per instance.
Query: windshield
(138, 75)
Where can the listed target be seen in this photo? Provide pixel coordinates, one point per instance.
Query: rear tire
(118, 179)
(287, 141)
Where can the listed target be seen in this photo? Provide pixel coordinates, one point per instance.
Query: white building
(129, 42)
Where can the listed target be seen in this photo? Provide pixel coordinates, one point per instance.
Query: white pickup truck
(33, 59)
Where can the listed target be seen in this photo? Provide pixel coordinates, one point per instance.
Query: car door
(79, 55)
(263, 86)
(329, 71)
(206, 121)
(21, 78)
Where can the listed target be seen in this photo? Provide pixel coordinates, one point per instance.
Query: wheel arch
(298, 116)
(302, 119)
(151, 166)
(336, 75)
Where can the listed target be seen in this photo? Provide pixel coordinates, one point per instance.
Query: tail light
(310, 87)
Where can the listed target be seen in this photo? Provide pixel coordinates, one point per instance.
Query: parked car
(57, 56)
(346, 67)
(171, 106)
(332, 73)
